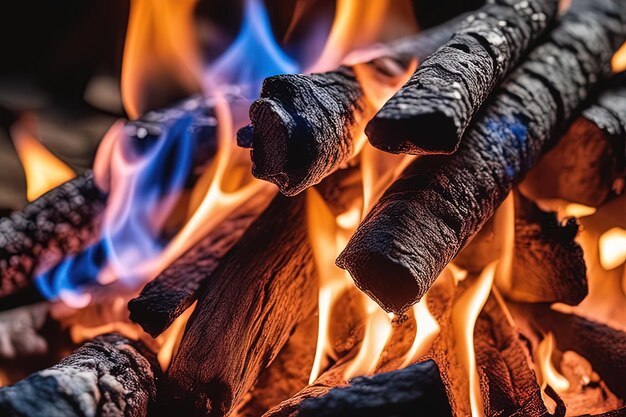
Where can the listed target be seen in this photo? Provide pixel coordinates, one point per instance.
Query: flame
(427, 329)
(464, 314)
(160, 49)
(170, 339)
(618, 63)
(549, 374)
(612, 246)
(43, 170)
(576, 210)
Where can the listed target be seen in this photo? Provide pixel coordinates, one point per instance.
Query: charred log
(20, 331)
(107, 376)
(167, 296)
(431, 112)
(548, 264)
(304, 126)
(438, 203)
(587, 165)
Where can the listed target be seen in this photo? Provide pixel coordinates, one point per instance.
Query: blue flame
(254, 55)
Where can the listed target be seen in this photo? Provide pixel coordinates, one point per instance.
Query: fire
(160, 49)
(427, 329)
(549, 374)
(612, 248)
(464, 314)
(43, 170)
(619, 60)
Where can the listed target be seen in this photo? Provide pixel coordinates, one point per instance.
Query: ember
(322, 208)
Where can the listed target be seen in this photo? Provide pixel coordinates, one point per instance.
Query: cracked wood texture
(174, 290)
(439, 202)
(587, 166)
(431, 112)
(59, 223)
(109, 376)
(547, 264)
(304, 126)
(246, 312)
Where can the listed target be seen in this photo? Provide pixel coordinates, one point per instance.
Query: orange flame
(618, 63)
(612, 245)
(160, 54)
(427, 329)
(43, 170)
(549, 374)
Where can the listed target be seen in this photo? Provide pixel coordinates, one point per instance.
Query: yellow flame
(160, 53)
(43, 170)
(464, 314)
(427, 330)
(612, 246)
(377, 332)
(549, 374)
(576, 210)
(170, 339)
(618, 63)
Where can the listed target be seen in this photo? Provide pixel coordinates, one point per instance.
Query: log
(262, 289)
(20, 331)
(304, 126)
(168, 295)
(59, 223)
(399, 393)
(603, 346)
(109, 376)
(587, 166)
(430, 113)
(547, 264)
(439, 202)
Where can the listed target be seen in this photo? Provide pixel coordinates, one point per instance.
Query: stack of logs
(495, 92)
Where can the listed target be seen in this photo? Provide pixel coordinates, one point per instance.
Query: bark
(20, 331)
(430, 113)
(438, 203)
(109, 376)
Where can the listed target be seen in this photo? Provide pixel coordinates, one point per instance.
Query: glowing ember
(619, 60)
(613, 248)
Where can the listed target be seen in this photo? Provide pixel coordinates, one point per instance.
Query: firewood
(548, 264)
(587, 166)
(167, 296)
(109, 376)
(439, 202)
(431, 112)
(246, 311)
(304, 126)
(59, 223)
(20, 331)
(399, 393)
(603, 346)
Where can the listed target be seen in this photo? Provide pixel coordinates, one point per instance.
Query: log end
(424, 133)
(154, 318)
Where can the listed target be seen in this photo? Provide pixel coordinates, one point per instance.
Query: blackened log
(430, 113)
(262, 289)
(603, 346)
(547, 263)
(109, 376)
(59, 223)
(168, 295)
(439, 202)
(304, 126)
(400, 393)
(587, 166)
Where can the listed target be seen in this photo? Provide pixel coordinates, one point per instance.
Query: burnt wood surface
(108, 376)
(603, 346)
(246, 311)
(548, 264)
(59, 223)
(20, 331)
(402, 393)
(439, 202)
(588, 163)
(168, 295)
(431, 112)
(304, 126)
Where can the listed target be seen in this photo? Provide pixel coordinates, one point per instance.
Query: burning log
(588, 162)
(270, 275)
(398, 393)
(439, 202)
(431, 112)
(107, 376)
(304, 126)
(19, 331)
(59, 223)
(603, 346)
(548, 264)
(166, 297)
